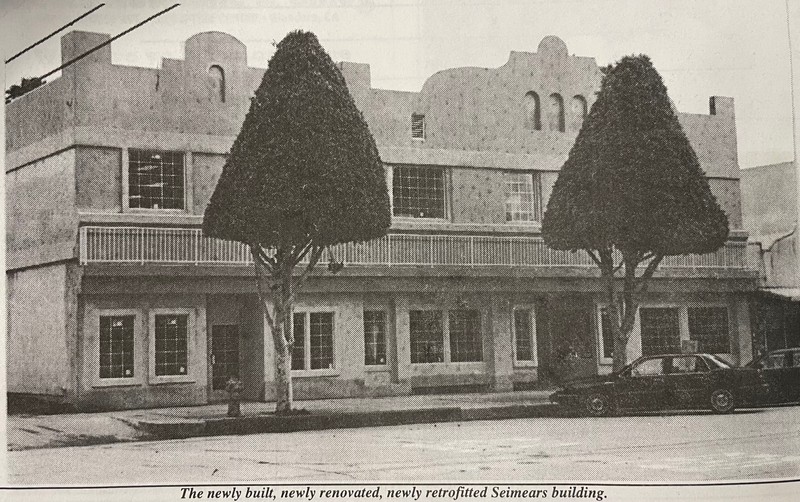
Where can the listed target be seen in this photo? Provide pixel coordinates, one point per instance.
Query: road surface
(750, 444)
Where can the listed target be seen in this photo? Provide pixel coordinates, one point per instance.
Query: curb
(260, 424)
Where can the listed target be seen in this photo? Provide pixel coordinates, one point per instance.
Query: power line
(107, 42)
(23, 51)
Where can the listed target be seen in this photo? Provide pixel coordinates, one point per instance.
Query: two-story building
(116, 299)
(769, 205)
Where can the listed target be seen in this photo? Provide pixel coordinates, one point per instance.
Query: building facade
(769, 204)
(117, 300)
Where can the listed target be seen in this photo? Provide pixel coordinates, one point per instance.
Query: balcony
(188, 246)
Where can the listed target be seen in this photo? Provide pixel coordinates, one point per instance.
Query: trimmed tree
(303, 174)
(632, 192)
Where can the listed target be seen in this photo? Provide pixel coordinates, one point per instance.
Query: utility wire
(107, 42)
(23, 51)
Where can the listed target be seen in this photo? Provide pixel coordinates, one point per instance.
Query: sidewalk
(52, 431)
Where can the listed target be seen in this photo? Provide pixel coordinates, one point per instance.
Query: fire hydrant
(234, 388)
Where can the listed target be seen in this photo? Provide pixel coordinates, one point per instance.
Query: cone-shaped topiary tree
(303, 174)
(632, 191)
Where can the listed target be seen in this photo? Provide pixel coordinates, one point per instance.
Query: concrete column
(402, 341)
(500, 361)
(739, 326)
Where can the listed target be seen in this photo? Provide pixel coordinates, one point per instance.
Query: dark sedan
(781, 372)
(668, 381)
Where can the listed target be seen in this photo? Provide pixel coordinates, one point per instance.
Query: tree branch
(268, 261)
(644, 280)
(594, 257)
(312, 262)
(254, 250)
(305, 249)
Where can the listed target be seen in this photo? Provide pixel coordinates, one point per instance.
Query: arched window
(533, 113)
(578, 114)
(217, 78)
(556, 113)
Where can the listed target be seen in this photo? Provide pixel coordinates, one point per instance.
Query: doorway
(224, 355)
(566, 342)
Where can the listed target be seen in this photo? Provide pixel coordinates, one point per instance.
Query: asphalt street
(747, 445)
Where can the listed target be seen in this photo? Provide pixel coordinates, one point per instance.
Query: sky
(737, 48)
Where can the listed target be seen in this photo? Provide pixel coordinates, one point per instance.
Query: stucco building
(769, 204)
(116, 299)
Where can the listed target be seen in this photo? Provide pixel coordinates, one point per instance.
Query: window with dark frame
(418, 192)
(374, 337)
(523, 197)
(116, 346)
(156, 180)
(299, 346)
(709, 327)
(171, 345)
(315, 331)
(466, 341)
(417, 126)
(321, 340)
(427, 336)
(523, 334)
(660, 330)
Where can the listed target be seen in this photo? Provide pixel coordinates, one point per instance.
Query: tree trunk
(283, 360)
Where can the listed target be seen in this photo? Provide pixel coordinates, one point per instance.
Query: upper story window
(418, 126)
(533, 112)
(418, 192)
(523, 197)
(216, 76)
(556, 113)
(579, 111)
(156, 180)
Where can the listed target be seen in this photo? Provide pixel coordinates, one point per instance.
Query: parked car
(781, 372)
(668, 381)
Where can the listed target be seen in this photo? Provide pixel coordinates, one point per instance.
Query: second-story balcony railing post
(142, 245)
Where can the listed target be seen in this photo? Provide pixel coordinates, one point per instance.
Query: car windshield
(719, 362)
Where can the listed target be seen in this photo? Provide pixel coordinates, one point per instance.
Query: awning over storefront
(790, 294)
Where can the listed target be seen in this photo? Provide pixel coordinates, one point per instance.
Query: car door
(687, 381)
(643, 386)
(776, 371)
(793, 377)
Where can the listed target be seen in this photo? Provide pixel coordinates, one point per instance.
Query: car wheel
(598, 405)
(722, 401)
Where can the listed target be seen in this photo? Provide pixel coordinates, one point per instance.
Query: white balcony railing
(109, 244)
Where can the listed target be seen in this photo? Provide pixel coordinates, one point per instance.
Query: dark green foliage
(24, 87)
(304, 166)
(632, 180)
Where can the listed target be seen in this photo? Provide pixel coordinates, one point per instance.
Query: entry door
(224, 354)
